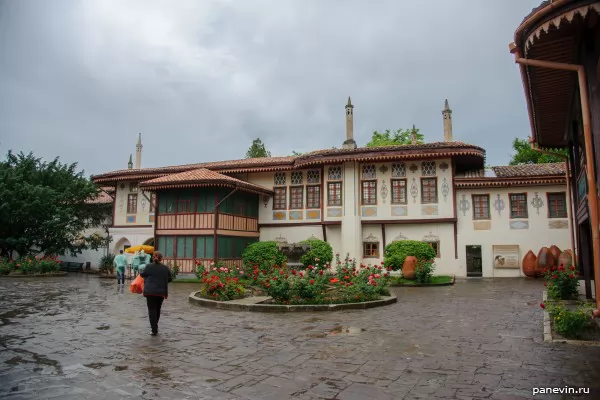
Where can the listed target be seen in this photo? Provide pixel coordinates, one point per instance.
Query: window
(368, 171)
(279, 179)
(169, 245)
(481, 206)
(132, 203)
(436, 247)
(398, 170)
(335, 173)
(184, 206)
(185, 247)
(557, 205)
(334, 193)
(313, 197)
(369, 192)
(428, 168)
(279, 199)
(296, 197)
(370, 250)
(313, 176)
(297, 178)
(152, 202)
(205, 247)
(429, 190)
(399, 191)
(518, 205)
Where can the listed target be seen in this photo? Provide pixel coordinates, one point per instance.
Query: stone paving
(81, 338)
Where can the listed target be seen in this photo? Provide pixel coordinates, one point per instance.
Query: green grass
(436, 279)
(188, 280)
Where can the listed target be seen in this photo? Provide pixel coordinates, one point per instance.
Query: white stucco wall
(143, 215)
(534, 232)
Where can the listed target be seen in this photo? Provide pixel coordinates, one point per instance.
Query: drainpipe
(570, 214)
(589, 154)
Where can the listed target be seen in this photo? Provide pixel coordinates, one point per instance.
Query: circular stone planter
(52, 275)
(256, 304)
(424, 284)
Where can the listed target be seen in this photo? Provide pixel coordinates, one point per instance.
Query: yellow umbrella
(147, 249)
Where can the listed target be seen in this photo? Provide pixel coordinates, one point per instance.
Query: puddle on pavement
(157, 372)
(95, 365)
(16, 360)
(307, 328)
(346, 330)
(313, 319)
(38, 359)
(211, 380)
(103, 327)
(121, 367)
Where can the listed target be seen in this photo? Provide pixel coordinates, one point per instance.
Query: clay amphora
(409, 267)
(530, 264)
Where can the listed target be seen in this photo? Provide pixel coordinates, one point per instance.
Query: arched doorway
(122, 244)
(149, 242)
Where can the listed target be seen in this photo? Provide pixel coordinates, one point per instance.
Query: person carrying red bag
(156, 288)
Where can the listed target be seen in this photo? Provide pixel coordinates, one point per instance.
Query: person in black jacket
(156, 288)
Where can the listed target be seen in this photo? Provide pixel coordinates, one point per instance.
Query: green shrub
(319, 256)
(424, 270)
(263, 255)
(397, 251)
(569, 323)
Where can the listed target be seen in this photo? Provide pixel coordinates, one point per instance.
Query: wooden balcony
(204, 222)
(187, 265)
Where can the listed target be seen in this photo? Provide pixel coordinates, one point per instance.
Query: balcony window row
(557, 205)
(429, 193)
(199, 247)
(132, 202)
(186, 202)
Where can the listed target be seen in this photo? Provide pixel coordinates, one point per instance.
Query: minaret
(138, 153)
(130, 163)
(413, 135)
(349, 143)
(447, 114)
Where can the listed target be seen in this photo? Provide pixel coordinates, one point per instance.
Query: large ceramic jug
(566, 259)
(530, 264)
(409, 267)
(545, 259)
(555, 253)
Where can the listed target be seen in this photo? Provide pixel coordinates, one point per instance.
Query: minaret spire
(349, 143)
(138, 152)
(447, 115)
(413, 135)
(130, 163)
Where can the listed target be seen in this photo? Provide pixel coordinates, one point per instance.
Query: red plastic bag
(137, 286)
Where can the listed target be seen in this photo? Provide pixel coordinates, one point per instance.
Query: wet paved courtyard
(81, 338)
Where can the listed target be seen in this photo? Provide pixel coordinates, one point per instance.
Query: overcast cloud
(201, 79)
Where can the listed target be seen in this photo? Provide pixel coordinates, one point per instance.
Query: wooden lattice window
(436, 247)
(518, 205)
(132, 201)
(279, 198)
(297, 178)
(369, 193)
(481, 206)
(296, 197)
(398, 170)
(429, 191)
(334, 193)
(370, 250)
(184, 206)
(399, 191)
(335, 173)
(557, 205)
(313, 176)
(279, 179)
(313, 197)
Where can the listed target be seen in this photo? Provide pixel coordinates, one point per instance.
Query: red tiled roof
(202, 177)
(530, 170)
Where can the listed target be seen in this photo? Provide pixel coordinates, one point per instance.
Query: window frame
(316, 188)
(399, 201)
(375, 247)
(362, 192)
(510, 204)
(330, 201)
(436, 248)
(489, 214)
(435, 186)
(565, 206)
(276, 204)
(132, 205)
(293, 206)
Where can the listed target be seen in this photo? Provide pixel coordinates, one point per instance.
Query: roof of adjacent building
(318, 157)
(514, 175)
(202, 177)
(526, 170)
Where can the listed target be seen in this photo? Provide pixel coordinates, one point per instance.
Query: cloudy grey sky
(202, 78)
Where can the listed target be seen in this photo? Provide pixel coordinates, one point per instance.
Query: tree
(257, 150)
(296, 153)
(524, 154)
(46, 206)
(389, 138)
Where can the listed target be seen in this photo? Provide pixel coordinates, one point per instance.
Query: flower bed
(569, 322)
(316, 285)
(436, 280)
(37, 266)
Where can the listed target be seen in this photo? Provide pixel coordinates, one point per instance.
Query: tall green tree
(399, 136)
(46, 206)
(257, 150)
(524, 154)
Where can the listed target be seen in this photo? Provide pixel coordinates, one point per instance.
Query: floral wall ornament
(499, 205)
(413, 168)
(400, 237)
(464, 205)
(414, 191)
(445, 188)
(444, 166)
(121, 205)
(537, 202)
(384, 191)
(371, 239)
(383, 169)
(143, 204)
(431, 238)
